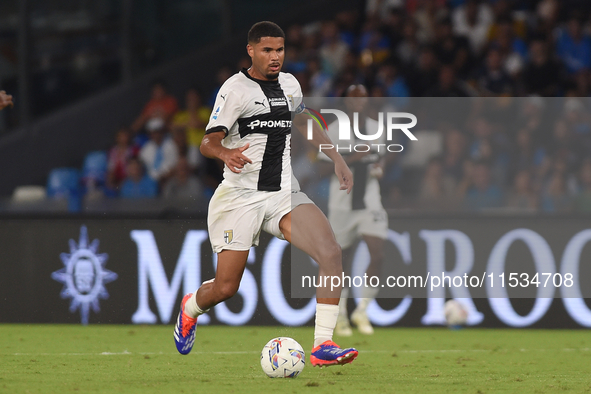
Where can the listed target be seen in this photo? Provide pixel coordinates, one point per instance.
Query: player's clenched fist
(235, 159)
(344, 175)
(5, 100)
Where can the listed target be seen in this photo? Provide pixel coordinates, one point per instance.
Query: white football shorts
(349, 226)
(236, 216)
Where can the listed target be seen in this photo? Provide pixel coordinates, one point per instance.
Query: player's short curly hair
(264, 29)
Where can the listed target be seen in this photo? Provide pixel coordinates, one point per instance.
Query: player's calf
(224, 291)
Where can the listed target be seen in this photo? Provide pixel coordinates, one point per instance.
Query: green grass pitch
(143, 359)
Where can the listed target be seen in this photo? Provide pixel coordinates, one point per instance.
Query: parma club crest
(84, 275)
(228, 236)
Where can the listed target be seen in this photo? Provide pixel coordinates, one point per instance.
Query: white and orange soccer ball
(283, 358)
(456, 314)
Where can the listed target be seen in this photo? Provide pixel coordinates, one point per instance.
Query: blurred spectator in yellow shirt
(193, 119)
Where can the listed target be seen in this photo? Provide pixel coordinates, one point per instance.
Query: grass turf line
(143, 359)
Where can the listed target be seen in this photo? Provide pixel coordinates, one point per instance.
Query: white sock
(343, 302)
(368, 294)
(326, 320)
(191, 307)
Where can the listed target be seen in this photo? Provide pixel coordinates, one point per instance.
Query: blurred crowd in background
(410, 49)
(159, 153)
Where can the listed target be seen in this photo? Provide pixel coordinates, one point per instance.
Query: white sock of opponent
(368, 294)
(343, 302)
(191, 307)
(326, 320)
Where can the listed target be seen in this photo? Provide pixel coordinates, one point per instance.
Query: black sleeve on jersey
(216, 129)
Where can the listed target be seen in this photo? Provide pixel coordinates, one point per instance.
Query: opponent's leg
(309, 230)
(376, 253)
(343, 327)
(230, 267)
(368, 294)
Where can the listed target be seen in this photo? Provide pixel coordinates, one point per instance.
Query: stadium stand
(436, 48)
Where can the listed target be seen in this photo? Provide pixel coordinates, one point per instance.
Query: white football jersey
(366, 188)
(258, 112)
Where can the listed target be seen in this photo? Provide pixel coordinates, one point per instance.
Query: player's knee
(377, 259)
(335, 253)
(227, 290)
(332, 256)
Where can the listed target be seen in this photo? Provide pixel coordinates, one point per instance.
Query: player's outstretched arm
(5, 100)
(319, 136)
(212, 147)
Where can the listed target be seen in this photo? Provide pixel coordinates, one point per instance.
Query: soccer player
(359, 215)
(250, 131)
(5, 100)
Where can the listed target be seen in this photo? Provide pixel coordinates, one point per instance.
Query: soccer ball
(283, 358)
(456, 314)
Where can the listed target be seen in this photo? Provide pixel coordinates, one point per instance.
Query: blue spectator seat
(63, 182)
(95, 166)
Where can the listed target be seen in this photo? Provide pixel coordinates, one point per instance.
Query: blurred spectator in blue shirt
(481, 193)
(320, 81)
(527, 155)
(374, 43)
(583, 199)
(563, 146)
(295, 61)
(437, 190)
(523, 196)
(394, 84)
(574, 47)
(454, 154)
(160, 153)
(555, 197)
(137, 184)
(333, 49)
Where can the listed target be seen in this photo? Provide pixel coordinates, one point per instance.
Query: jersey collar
(260, 81)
